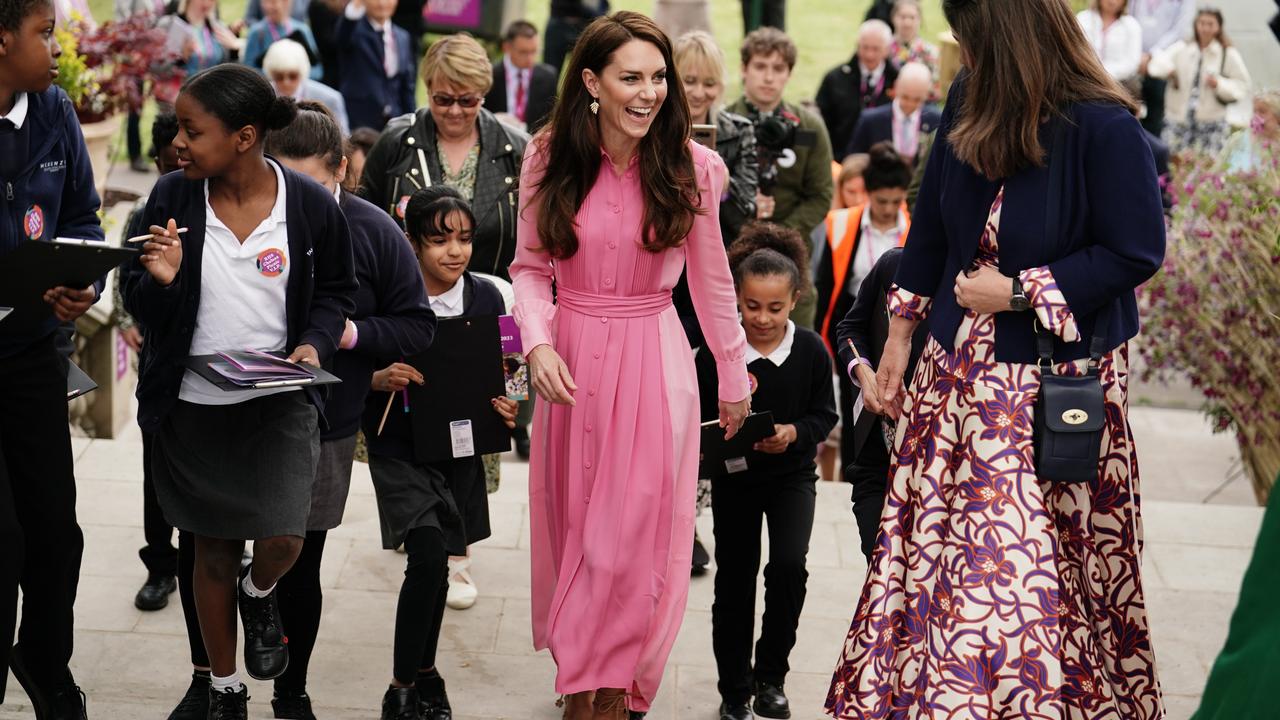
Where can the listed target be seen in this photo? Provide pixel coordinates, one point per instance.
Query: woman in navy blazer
(995, 591)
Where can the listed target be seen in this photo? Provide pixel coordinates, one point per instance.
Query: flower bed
(1213, 313)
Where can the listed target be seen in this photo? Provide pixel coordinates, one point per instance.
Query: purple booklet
(514, 366)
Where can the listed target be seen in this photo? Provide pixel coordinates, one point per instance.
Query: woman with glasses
(288, 68)
(454, 141)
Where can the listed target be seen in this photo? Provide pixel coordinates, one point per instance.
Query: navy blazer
(373, 98)
(1102, 234)
(543, 81)
(318, 297)
(876, 125)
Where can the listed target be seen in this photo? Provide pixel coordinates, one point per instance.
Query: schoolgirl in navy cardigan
(237, 466)
(1100, 233)
(318, 298)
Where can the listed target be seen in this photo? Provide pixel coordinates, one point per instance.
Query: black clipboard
(721, 457)
(463, 372)
(36, 266)
(200, 365)
(78, 382)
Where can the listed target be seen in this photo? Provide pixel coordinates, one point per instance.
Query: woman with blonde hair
(1006, 577)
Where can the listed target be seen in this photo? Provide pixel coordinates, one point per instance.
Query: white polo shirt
(242, 296)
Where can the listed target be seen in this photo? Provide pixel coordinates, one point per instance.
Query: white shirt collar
(18, 115)
(448, 303)
(278, 214)
(875, 72)
(512, 70)
(900, 116)
(895, 231)
(780, 353)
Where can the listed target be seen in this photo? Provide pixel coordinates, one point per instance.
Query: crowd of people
(899, 284)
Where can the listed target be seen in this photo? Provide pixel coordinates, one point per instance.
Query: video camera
(777, 136)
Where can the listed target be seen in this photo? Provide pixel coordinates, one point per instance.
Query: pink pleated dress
(612, 479)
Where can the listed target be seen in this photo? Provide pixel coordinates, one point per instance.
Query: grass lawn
(824, 30)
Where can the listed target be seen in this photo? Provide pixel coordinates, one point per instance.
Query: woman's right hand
(396, 377)
(551, 378)
(893, 365)
(870, 394)
(162, 254)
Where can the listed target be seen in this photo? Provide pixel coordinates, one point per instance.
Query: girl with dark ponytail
(244, 254)
(790, 374)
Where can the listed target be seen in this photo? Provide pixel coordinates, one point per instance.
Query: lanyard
(879, 83)
(275, 34)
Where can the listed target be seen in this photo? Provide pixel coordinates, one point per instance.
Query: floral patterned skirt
(992, 594)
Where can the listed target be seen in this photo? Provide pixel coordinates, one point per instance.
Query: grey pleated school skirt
(449, 496)
(333, 483)
(238, 472)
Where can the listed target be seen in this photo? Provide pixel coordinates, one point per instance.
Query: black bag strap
(1053, 210)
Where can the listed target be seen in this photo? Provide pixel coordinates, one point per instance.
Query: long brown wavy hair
(1027, 60)
(571, 145)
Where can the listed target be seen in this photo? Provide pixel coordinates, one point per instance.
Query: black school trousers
(40, 540)
(740, 504)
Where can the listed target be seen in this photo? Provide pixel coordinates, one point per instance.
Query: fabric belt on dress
(613, 306)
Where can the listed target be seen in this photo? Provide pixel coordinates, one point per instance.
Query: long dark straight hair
(1028, 60)
(571, 143)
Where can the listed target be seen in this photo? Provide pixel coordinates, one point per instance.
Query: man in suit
(866, 81)
(904, 121)
(378, 69)
(522, 87)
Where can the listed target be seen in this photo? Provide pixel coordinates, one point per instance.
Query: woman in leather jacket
(456, 142)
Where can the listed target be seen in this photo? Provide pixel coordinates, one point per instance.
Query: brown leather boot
(577, 706)
(610, 704)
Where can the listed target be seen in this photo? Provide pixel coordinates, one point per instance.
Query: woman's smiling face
(630, 89)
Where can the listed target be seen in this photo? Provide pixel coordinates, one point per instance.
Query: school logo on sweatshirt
(271, 262)
(754, 382)
(33, 222)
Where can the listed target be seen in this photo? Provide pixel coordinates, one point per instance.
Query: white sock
(230, 683)
(251, 590)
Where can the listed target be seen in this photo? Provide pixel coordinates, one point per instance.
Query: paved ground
(1200, 526)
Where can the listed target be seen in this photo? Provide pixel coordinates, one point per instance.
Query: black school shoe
(195, 704)
(735, 711)
(433, 701)
(771, 702)
(228, 705)
(63, 701)
(401, 704)
(266, 649)
(155, 593)
(292, 706)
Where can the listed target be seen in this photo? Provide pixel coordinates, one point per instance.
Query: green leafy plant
(74, 75)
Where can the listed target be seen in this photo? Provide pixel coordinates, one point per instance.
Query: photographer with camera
(791, 143)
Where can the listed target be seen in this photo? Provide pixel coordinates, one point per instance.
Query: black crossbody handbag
(1070, 412)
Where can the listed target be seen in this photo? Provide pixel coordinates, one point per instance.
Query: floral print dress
(993, 594)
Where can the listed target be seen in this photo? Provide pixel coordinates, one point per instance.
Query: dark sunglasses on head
(466, 101)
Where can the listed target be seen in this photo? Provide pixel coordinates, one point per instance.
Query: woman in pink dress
(614, 200)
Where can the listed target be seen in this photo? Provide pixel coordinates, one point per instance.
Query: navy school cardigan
(51, 196)
(1102, 235)
(392, 317)
(318, 298)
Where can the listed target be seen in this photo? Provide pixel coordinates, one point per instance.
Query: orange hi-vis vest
(843, 227)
